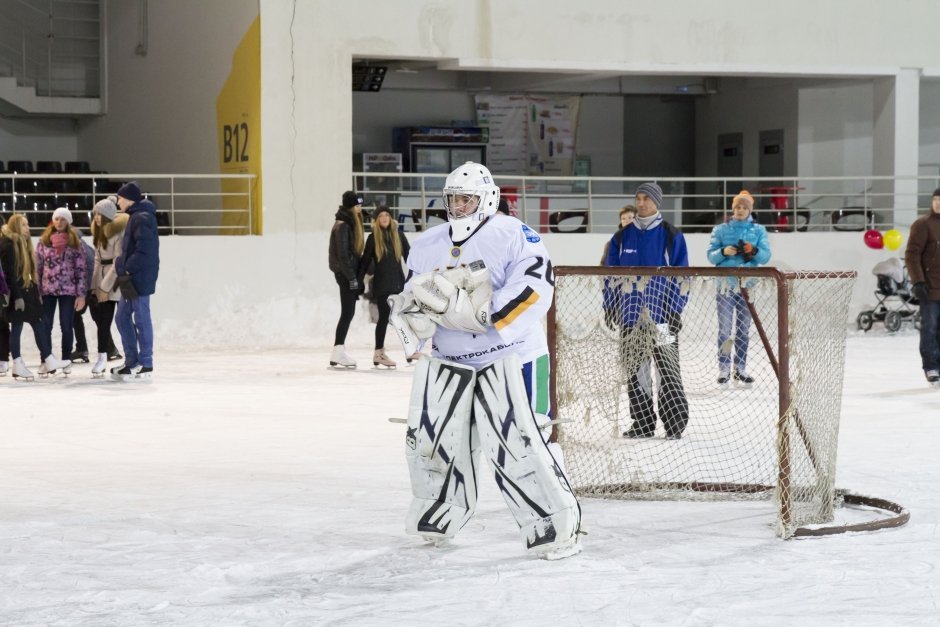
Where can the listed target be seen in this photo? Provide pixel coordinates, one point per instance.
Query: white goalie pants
(455, 411)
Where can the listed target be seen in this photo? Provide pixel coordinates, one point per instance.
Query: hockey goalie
(478, 288)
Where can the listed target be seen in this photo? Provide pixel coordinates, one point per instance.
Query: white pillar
(896, 145)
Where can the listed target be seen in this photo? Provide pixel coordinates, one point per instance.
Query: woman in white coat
(107, 230)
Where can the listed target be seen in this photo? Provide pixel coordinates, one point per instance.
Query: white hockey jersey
(523, 286)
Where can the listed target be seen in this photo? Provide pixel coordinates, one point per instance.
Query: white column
(896, 145)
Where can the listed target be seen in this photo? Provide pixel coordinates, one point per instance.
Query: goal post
(639, 356)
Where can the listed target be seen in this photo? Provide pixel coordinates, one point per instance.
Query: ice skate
(4, 368)
(379, 358)
(124, 373)
(97, 371)
(114, 355)
(339, 358)
(561, 552)
(144, 373)
(80, 357)
(933, 378)
(51, 365)
(723, 377)
(20, 371)
(743, 378)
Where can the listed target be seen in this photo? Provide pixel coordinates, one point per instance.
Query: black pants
(103, 315)
(381, 300)
(78, 327)
(4, 340)
(673, 404)
(347, 300)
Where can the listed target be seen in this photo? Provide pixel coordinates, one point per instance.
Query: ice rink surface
(263, 488)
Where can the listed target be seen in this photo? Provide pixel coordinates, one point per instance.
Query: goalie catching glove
(457, 298)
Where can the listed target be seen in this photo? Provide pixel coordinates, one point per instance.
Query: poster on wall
(552, 130)
(506, 152)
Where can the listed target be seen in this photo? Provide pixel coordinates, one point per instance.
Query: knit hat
(380, 210)
(106, 208)
(745, 198)
(62, 212)
(936, 192)
(653, 191)
(351, 199)
(130, 191)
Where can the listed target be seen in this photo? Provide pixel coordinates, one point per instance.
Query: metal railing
(187, 204)
(592, 204)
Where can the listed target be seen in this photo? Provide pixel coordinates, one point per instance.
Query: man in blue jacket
(137, 269)
(650, 309)
(740, 242)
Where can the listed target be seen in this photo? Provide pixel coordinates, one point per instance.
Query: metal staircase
(51, 57)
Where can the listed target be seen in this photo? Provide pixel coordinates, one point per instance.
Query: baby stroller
(896, 304)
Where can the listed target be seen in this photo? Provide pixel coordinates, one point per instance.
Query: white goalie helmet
(470, 197)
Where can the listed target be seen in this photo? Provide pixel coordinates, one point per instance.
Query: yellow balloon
(893, 239)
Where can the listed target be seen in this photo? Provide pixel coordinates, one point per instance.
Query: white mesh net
(666, 403)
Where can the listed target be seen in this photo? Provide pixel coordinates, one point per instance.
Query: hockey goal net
(623, 354)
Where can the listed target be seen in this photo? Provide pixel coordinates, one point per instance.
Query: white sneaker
(20, 371)
(100, 366)
(379, 358)
(340, 359)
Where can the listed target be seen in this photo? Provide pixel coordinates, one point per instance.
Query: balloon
(893, 239)
(873, 239)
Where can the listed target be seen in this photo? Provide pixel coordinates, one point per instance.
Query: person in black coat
(24, 305)
(385, 250)
(346, 244)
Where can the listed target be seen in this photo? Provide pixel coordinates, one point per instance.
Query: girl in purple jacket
(60, 266)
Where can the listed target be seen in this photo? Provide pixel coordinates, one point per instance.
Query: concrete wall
(161, 107)
(43, 139)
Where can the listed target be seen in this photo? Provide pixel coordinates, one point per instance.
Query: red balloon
(874, 239)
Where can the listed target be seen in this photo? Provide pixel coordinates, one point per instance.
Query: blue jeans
(136, 329)
(930, 334)
(16, 329)
(729, 304)
(66, 314)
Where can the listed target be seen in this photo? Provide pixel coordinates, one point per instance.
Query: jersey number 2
(535, 270)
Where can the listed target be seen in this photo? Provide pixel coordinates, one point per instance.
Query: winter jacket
(60, 274)
(344, 260)
(140, 248)
(635, 246)
(32, 311)
(387, 274)
(105, 271)
(922, 256)
(731, 233)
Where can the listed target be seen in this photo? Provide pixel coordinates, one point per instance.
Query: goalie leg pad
(533, 484)
(440, 449)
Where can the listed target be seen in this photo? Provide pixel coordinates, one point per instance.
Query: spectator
(4, 325)
(385, 250)
(923, 267)
(18, 260)
(137, 268)
(627, 214)
(740, 242)
(60, 271)
(107, 231)
(653, 308)
(347, 240)
(80, 354)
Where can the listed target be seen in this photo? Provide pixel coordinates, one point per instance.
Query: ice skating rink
(266, 489)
